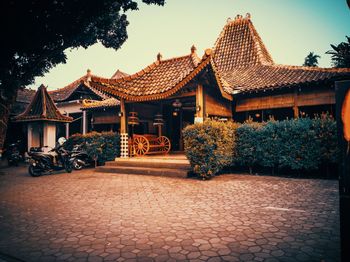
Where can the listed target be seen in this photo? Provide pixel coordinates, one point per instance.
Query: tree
(341, 54)
(36, 33)
(311, 60)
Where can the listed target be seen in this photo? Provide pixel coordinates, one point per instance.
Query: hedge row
(210, 146)
(299, 144)
(104, 146)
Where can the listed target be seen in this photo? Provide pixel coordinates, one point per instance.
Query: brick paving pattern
(87, 216)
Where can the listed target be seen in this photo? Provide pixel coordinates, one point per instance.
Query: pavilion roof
(42, 108)
(244, 64)
(119, 74)
(240, 61)
(64, 93)
(264, 77)
(94, 104)
(239, 45)
(158, 80)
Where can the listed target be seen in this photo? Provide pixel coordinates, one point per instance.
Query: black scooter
(79, 157)
(13, 155)
(56, 159)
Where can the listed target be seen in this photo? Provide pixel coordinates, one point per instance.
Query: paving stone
(87, 216)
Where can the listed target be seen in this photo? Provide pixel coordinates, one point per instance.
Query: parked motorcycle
(79, 157)
(13, 155)
(55, 159)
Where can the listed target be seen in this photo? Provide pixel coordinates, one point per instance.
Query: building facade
(237, 79)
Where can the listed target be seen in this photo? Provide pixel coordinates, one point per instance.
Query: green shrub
(104, 146)
(209, 146)
(301, 144)
(326, 134)
(299, 148)
(269, 145)
(247, 145)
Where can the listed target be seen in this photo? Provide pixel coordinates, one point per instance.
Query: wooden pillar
(295, 107)
(200, 107)
(123, 126)
(84, 122)
(67, 128)
(124, 138)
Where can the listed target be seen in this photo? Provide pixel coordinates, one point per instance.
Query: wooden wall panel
(217, 106)
(310, 98)
(106, 118)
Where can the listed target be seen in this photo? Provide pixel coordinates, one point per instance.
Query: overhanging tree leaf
(37, 32)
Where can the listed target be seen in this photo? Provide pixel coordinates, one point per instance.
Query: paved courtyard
(87, 216)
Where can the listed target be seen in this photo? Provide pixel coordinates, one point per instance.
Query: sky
(290, 30)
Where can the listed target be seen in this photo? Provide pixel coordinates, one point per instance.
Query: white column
(29, 136)
(49, 133)
(124, 138)
(84, 122)
(67, 127)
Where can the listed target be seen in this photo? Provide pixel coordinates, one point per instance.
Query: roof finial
(193, 49)
(88, 75)
(238, 17)
(248, 16)
(159, 57)
(229, 19)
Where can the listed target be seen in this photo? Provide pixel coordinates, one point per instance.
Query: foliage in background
(341, 54)
(210, 146)
(301, 144)
(104, 146)
(311, 60)
(48, 29)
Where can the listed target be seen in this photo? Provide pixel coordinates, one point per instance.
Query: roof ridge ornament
(248, 16)
(193, 49)
(238, 17)
(159, 57)
(88, 75)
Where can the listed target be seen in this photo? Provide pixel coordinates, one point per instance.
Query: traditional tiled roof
(42, 108)
(25, 95)
(93, 104)
(119, 74)
(242, 62)
(64, 93)
(109, 102)
(159, 80)
(263, 77)
(239, 60)
(239, 45)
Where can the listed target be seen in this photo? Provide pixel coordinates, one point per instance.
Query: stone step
(168, 172)
(152, 163)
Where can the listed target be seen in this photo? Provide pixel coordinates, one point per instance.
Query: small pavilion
(41, 117)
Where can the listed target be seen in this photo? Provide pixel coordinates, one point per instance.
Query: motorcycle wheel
(77, 165)
(68, 168)
(34, 172)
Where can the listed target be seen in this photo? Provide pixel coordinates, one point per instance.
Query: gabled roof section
(64, 93)
(119, 74)
(239, 45)
(263, 77)
(158, 80)
(25, 95)
(42, 108)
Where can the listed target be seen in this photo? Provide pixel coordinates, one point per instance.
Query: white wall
(33, 134)
(49, 133)
(73, 107)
